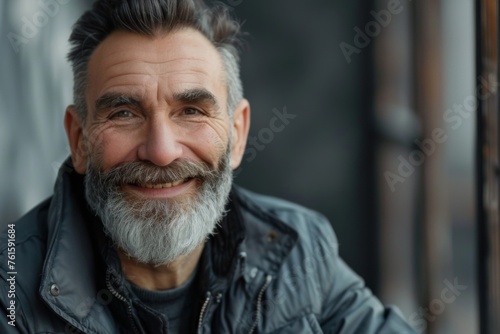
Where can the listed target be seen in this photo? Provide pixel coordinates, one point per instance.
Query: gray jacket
(273, 267)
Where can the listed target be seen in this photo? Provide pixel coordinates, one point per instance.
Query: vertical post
(487, 34)
(434, 222)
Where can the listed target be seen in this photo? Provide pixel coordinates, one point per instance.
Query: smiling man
(145, 232)
(158, 148)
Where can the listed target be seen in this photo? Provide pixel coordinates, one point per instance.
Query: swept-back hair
(153, 18)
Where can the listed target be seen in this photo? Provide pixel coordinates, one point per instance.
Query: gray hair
(151, 18)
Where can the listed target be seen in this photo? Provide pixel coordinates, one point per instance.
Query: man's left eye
(192, 112)
(121, 114)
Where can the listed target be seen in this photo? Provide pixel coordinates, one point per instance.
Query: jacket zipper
(206, 304)
(123, 299)
(258, 308)
(204, 310)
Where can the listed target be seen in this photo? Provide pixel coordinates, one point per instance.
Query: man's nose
(161, 145)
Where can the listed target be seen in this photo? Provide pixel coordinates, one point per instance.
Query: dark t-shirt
(177, 305)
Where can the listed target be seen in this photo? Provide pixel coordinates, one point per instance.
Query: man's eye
(192, 112)
(121, 114)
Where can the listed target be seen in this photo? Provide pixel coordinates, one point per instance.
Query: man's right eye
(121, 114)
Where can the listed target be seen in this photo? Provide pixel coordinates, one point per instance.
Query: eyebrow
(189, 96)
(113, 100)
(197, 96)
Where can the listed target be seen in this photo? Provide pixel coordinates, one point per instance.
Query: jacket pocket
(304, 325)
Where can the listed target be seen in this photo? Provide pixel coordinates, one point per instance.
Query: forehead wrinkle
(141, 60)
(112, 77)
(160, 73)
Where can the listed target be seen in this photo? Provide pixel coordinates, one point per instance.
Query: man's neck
(163, 277)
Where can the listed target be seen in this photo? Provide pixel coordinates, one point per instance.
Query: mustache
(140, 172)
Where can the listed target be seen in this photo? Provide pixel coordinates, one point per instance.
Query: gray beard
(158, 231)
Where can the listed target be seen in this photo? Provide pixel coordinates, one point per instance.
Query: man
(145, 232)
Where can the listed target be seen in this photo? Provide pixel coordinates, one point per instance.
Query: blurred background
(365, 110)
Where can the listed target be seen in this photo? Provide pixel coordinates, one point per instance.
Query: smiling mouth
(162, 185)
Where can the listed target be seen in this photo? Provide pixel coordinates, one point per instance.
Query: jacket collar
(68, 283)
(269, 240)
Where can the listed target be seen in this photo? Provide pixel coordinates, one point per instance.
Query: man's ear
(241, 126)
(74, 130)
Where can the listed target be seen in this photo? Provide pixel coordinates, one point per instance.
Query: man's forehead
(133, 62)
(184, 43)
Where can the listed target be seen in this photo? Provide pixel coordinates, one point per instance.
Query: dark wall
(321, 158)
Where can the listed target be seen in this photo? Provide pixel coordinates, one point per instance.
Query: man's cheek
(206, 144)
(94, 136)
(219, 129)
(115, 149)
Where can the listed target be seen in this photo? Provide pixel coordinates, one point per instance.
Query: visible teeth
(176, 183)
(162, 185)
